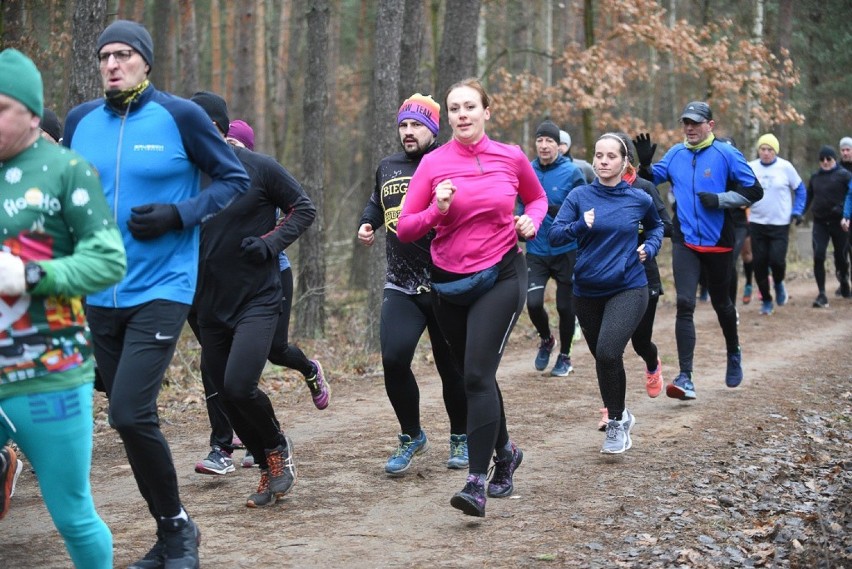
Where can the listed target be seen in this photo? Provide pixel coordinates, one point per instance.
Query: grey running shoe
(282, 469)
(263, 497)
(217, 462)
(618, 434)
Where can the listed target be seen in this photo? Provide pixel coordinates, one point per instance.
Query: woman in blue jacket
(610, 285)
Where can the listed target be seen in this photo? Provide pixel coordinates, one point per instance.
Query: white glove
(12, 281)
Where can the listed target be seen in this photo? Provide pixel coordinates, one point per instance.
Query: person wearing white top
(771, 217)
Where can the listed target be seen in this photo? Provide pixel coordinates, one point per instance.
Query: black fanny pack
(466, 290)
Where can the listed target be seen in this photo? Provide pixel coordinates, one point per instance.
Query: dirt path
(692, 492)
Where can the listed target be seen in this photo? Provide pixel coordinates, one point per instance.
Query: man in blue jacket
(558, 176)
(708, 178)
(150, 148)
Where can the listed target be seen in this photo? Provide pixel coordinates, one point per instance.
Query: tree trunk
(310, 299)
(282, 68)
(385, 86)
(455, 61)
(188, 49)
(87, 24)
(217, 80)
(588, 118)
(260, 73)
(411, 79)
(783, 37)
(242, 100)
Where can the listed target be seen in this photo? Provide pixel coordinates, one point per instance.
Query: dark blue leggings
(490, 320)
(608, 323)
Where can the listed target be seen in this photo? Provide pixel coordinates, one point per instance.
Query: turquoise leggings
(54, 431)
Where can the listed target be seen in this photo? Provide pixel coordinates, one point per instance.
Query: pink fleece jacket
(479, 227)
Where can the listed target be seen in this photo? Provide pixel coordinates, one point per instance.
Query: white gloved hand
(12, 282)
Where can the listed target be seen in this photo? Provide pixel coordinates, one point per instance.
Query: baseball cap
(697, 111)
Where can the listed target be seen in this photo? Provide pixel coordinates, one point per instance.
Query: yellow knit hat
(769, 140)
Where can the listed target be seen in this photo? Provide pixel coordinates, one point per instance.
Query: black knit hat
(131, 33)
(215, 107)
(827, 152)
(549, 129)
(50, 124)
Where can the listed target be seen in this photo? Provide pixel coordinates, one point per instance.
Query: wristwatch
(33, 273)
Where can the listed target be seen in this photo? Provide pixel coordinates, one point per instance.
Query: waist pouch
(466, 290)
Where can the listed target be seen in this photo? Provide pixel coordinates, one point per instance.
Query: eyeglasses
(120, 55)
(826, 159)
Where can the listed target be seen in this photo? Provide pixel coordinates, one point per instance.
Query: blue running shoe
(542, 358)
(780, 294)
(562, 367)
(471, 499)
(400, 460)
(682, 387)
(734, 373)
(458, 452)
(747, 294)
(767, 308)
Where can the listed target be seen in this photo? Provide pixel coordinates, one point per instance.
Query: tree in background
(602, 79)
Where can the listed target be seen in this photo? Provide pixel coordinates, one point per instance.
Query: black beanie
(215, 107)
(549, 129)
(827, 152)
(50, 124)
(130, 33)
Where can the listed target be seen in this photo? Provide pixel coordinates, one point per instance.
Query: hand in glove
(796, 218)
(255, 250)
(12, 282)
(709, 200)
(153, 220)
(644, 149)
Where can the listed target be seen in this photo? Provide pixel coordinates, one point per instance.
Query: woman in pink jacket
(466, 190)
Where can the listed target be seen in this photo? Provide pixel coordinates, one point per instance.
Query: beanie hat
(242, 131)
(846, 142)
(215, 107)
(770, 140)
(549, 129)
(827, 152)
(130, 33)
(423, 109)
(564, 138)
(20, 79)
(50, 124)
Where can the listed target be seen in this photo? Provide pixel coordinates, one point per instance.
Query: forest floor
(760, 475)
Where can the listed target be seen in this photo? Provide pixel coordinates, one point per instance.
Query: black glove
(153, 220)
(709, 200)
(644, 149)
(255, 250)
(796, 218)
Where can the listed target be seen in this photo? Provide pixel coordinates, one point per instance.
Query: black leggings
(133, 348)
(686, 266)
(741, 233)
(824, 231)
(607, 324)
(490, 321)
(540, 270)
(404, 317)
(769, 246)
(641, 338)
(234, 356)
(281, 353)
